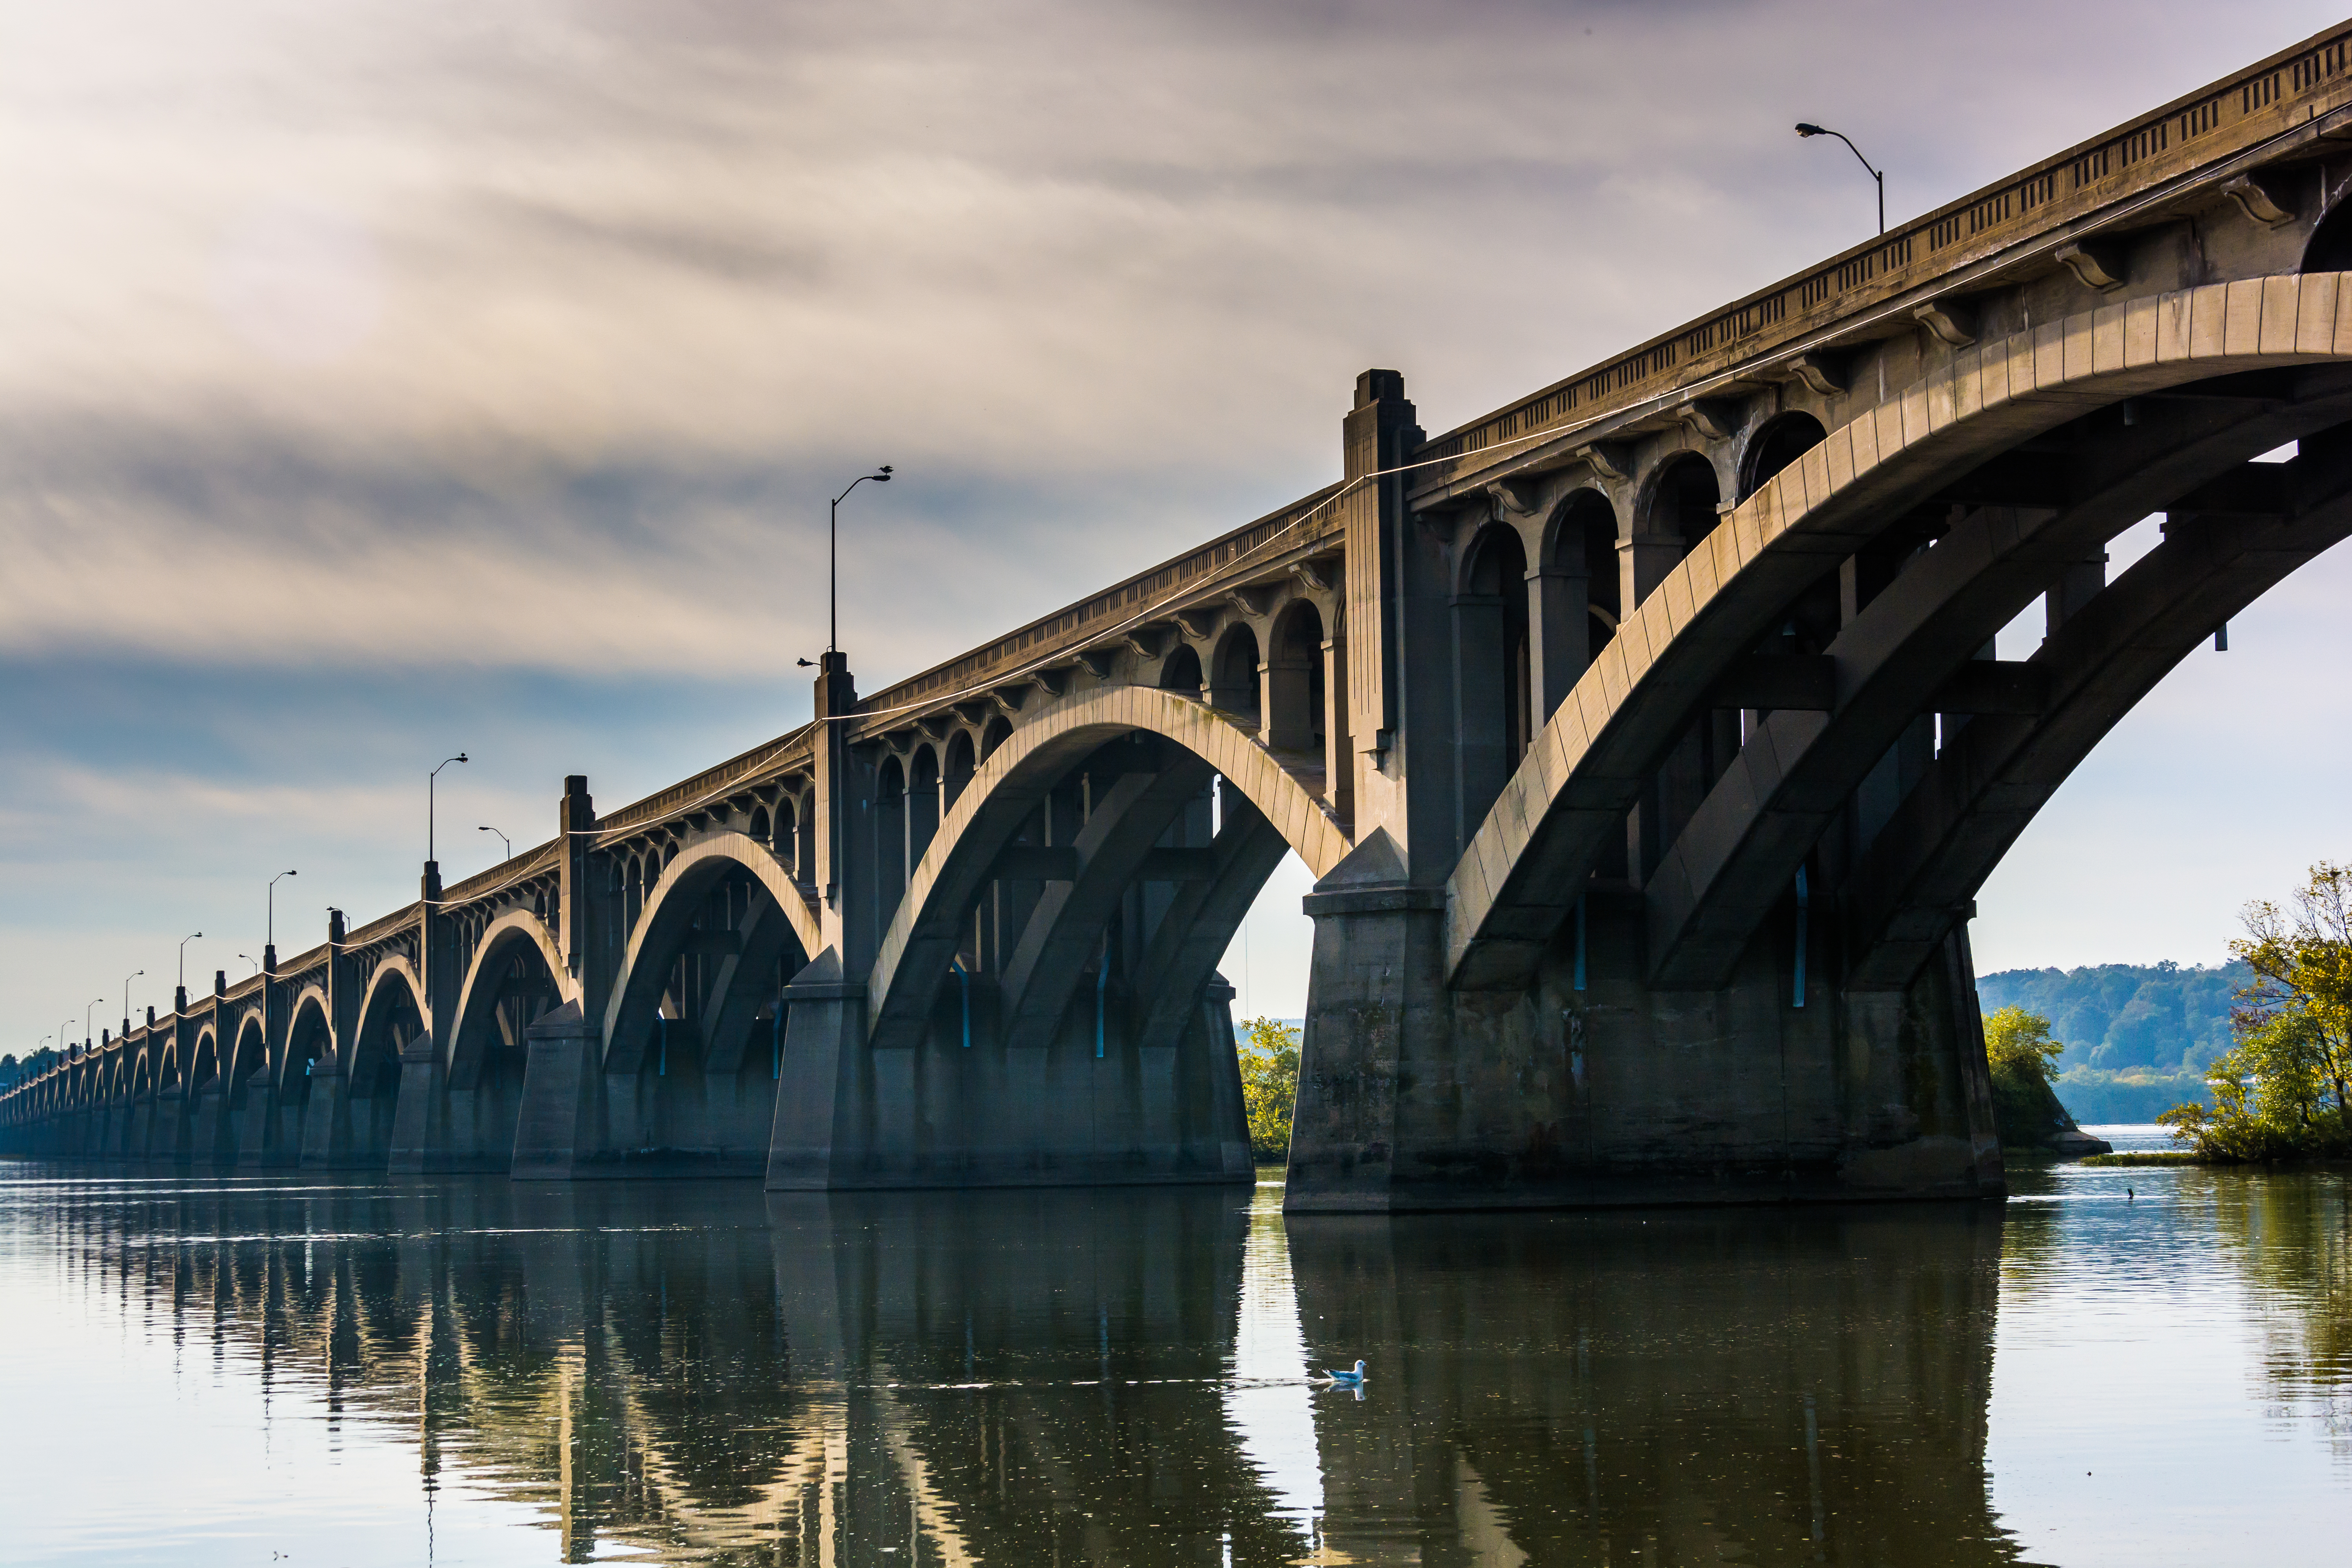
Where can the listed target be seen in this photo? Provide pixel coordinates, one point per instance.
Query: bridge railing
(2189, 133)
(751, 767)
(1075, 625)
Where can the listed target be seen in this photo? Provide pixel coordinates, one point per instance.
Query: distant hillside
(2138, 1036)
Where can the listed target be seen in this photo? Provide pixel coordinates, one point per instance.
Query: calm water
(333, 1372)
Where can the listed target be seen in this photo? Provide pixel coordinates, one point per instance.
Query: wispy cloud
(489, 367)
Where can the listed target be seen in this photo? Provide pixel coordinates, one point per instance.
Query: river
(2135, 1365)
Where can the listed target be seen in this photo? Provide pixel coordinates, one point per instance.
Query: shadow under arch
(516, 975)
(692, 1035)
(363, 1114)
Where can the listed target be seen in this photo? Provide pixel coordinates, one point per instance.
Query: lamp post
(65, 1045)
(1804, 129)
(269, 932)
(833, 555)
(252, 960)
(503, 840)
(429, 804)
(126, 997)
(183, 960)
(85, 1020)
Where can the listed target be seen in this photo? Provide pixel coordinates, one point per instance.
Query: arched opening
(1041, 978)
(962, 762)
(697, 1031)
(1574, 609)
(760, 830)
(1233, 688)
(391, 1020)
(805, 838)
(890, 849)
(1182, 670)
(1683, 505)
(2330, 247)
(1780, 442)
(999, 731)
(1294, 681)
(1491, 689)
(923, 805)
(512, 986)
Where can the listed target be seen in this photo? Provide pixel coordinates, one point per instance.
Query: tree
(2282, 1091)
(2020, 1051)
(1269, 1056)
(2018, 1042)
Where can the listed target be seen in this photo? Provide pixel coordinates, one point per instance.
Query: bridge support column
(168, 1136)
(419, 1131)
(561, 1089)
(1376, 1010)
(331, 1140)
(824, 1095)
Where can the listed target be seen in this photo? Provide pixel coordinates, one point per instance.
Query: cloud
(488, 368)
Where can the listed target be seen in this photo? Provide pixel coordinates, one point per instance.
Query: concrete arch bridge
(1645, 738)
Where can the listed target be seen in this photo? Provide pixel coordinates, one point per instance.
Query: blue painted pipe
(1804, 903)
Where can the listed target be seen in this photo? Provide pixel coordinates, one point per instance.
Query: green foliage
(2133, 1020)
(1270, 1053)
(2018, 1042)
(2019, 1049)
(2280, 1092)
(2145, 1157)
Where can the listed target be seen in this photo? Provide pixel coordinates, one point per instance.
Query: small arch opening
(1233, 688)
(1293, 681)
(1779, 444)
(1182, 671)
(1684, 503)
(962, 762)
(999, 731)
(923, 805)
(890, 828)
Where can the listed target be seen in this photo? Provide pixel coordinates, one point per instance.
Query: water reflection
(698, 1373)
(1690, 1387)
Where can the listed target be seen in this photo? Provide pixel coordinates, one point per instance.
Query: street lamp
(1805, 130)
(831, 557)
(429, 804)
(502, 839)
(252, 960)
(184, 959)
(126, 997)
(269, 932)
(85, 1020)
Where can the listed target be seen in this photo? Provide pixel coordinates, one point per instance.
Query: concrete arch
(925, 931)
(671, 906)
(1743, 847)
(478, 996)
(1523, 869)
(1918, 880)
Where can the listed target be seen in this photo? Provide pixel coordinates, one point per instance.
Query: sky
(379, 382)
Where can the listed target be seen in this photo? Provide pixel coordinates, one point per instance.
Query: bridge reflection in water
(1099, 1377)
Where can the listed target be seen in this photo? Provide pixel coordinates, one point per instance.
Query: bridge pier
(1613, 1092)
